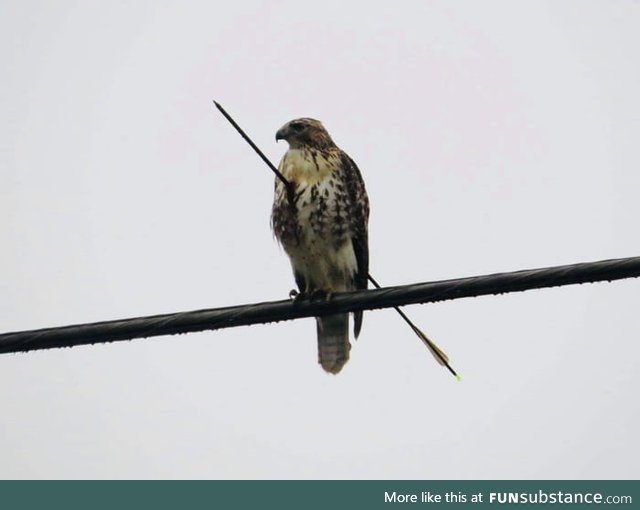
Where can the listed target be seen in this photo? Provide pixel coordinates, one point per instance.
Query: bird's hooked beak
(281, 134)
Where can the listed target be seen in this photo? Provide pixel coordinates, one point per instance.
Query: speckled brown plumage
(325, 232)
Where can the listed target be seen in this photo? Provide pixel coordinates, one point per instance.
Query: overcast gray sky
(492, 136)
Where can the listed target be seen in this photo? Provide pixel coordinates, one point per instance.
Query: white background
(493, 136)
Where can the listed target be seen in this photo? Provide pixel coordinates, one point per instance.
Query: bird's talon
(298, 296)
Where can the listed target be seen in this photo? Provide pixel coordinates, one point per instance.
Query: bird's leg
(320, 295)
(302, 285)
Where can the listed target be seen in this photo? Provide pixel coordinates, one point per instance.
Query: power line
(258, 313)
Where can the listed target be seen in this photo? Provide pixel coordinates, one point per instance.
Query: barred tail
(333, 341)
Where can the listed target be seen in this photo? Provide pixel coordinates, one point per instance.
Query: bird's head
(305, 132)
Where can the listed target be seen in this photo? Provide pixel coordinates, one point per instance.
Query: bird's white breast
(326, 259)
(305, 166)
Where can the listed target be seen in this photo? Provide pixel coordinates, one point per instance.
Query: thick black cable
(200, 320)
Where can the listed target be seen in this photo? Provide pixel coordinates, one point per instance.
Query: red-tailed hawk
(325, 232)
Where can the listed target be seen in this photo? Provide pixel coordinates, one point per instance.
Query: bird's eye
(297, 126)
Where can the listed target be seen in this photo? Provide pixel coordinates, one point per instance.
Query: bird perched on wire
(322, 226)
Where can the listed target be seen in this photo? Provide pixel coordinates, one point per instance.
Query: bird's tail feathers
(333, 341)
